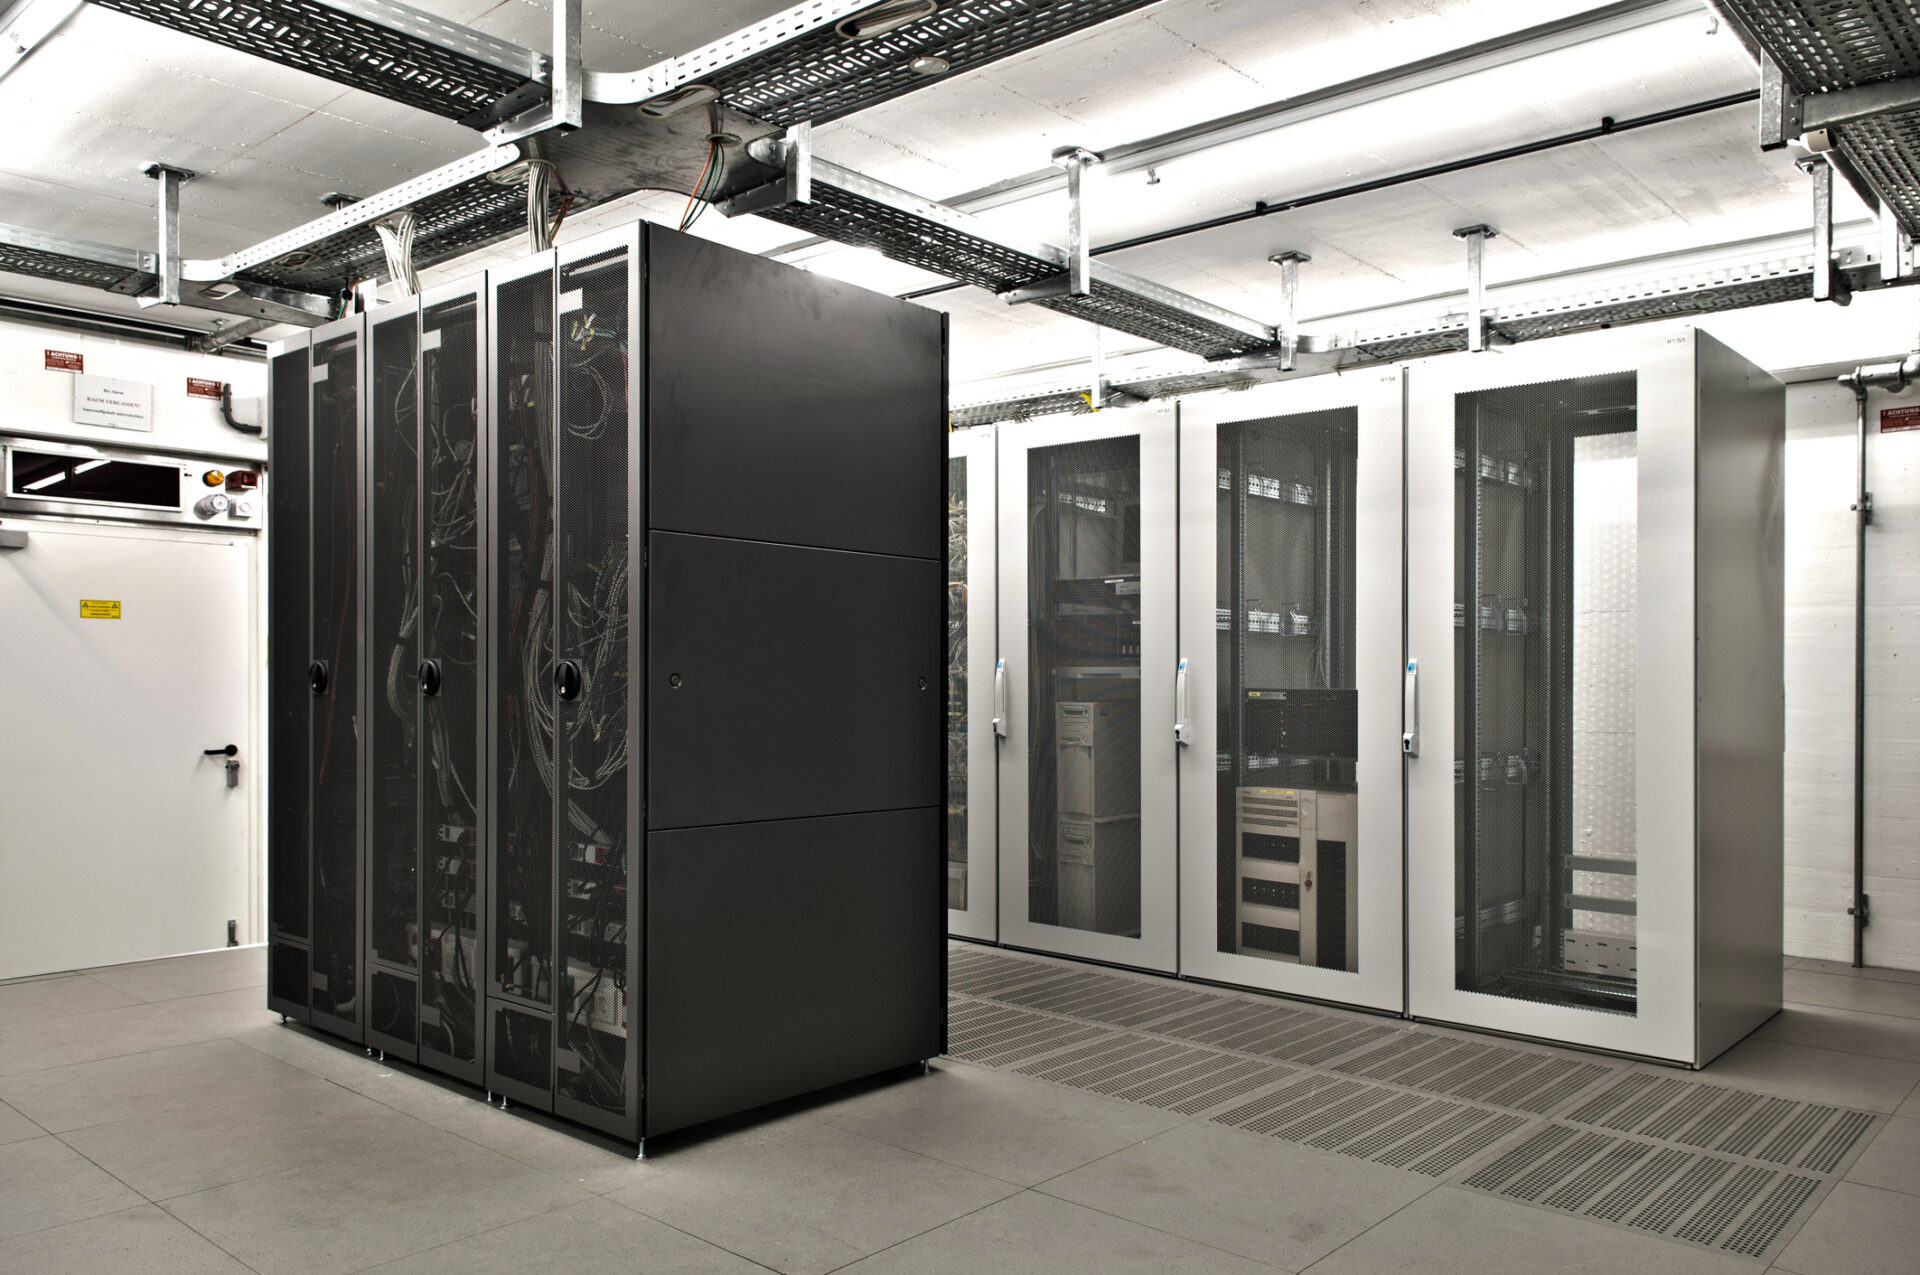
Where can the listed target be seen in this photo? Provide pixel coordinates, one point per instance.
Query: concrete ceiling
(108, 93)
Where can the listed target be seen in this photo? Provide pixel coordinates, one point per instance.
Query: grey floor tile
(1868, 995)
(804, 1198)
(244, 1131)
(374, 1205)
(1881, 1035)
(44, 1182)
(1814, 1075)
(1039, 1233)
(208, 1073)
(1846, 970)
(1892, 1160)
(1286, 1205)
(1857, 1229)
(1454, 1229)
(52, 1042)
(1007, 1126)
(58, 998)
(143, 1239)
(15, 1127)
(576, 1156)
(198, 975)
(593, 1236)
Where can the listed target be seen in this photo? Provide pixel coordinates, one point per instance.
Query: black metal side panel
(289, 585)
(335, 737)
(783, 957)
(789, 682)
(791, 408)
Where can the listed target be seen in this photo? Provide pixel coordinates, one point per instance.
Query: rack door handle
(1180, 725)
(318, 677)
(1000, 698)
(566, 679)
(429, 677)
(1410, 710)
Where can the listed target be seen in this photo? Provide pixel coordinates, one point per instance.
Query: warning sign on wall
(1895, 419)
(97, 609)
(65, 361)
(198, 388)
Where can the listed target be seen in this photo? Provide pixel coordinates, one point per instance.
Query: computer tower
(1097, 747)
(1298, 897)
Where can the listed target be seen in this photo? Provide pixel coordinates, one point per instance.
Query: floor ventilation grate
(1698, 1197)
(1692, 1162)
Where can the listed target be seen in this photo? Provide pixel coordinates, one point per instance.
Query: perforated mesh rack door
(520, 615)
(822, 75)
(393, 621)
(595, 727)
(289, 698)
(335, 648)
(331, 42)
(1837, 44)
(450, 758)
(473, 214)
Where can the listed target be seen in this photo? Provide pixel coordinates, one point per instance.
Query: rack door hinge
(1864, 507)
(1864, 910)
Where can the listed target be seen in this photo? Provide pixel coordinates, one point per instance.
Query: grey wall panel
(751, 997)
(809, 681)
(1741, 687)
(791, 408)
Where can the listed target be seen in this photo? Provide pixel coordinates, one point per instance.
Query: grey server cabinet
(1595, 692)
(314, 680)
(715, 562)
(425, 781)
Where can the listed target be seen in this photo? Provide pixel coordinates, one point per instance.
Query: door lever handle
(1180, 704)
(1000, 699)
(231, 750)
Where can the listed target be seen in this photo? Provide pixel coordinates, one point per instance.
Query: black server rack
(424, 764)
(715, 644)
(314, 789)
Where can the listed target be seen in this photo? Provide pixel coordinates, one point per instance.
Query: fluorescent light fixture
(87, 465)
(48, 481)
(25, 23)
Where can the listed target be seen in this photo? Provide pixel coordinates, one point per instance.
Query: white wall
(1820, 623)
(36, 401)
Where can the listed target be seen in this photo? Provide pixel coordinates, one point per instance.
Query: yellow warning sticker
(95, 609)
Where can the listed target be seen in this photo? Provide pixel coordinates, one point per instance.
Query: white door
(1290, 642)
(119, 837)
(973, 897)
(1087, 790)
(1550, 499)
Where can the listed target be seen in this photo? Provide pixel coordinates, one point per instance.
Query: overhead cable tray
(1853, 68)
(850, 208)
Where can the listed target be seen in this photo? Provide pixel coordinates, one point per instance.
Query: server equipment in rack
(1295, 859)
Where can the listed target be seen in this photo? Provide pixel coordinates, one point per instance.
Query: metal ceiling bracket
(1864, 101)
(1289, 263)
(167, 290)
(1829, 284)
(792, 154)
(1779, 107)
(220, 338)
(1896, 249)
(1476, 237)
(569, 79)
(1077, 160)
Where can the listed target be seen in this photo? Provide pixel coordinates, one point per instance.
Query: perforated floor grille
(1686, 1160)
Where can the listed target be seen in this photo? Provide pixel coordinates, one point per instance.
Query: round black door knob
(317, 677)
(429, 677)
